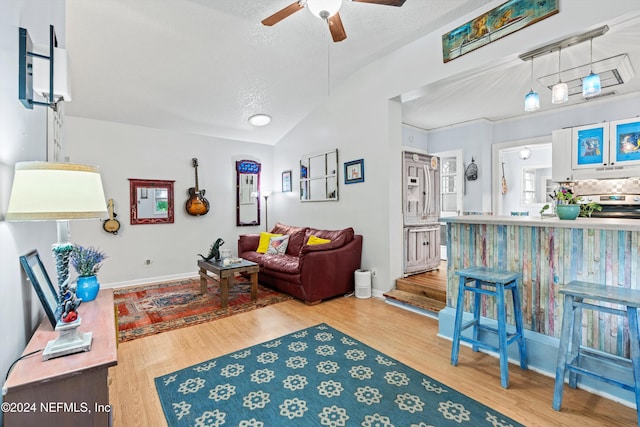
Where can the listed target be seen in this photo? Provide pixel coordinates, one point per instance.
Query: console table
(68, 390)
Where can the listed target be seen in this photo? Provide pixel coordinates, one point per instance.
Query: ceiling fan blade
(383, 2)
(281, 14)
(337, 30)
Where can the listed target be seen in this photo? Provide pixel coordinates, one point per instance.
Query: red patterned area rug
(151, 309)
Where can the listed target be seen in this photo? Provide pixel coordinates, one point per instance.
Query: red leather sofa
(311, 273)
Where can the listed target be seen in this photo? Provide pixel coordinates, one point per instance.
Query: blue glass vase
(87, 288)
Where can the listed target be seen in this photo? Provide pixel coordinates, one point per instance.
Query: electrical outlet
(148, 262)
(373, 272)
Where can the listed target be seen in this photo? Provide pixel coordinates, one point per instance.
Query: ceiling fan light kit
(324, 9)
(327, 10)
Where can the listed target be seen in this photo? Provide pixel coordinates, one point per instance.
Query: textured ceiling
(205, 66)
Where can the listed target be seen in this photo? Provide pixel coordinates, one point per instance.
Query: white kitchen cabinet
(422, 248)
(561, 156)
(597, 151)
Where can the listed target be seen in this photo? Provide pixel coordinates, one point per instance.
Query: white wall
(22, 138)
(125, 151)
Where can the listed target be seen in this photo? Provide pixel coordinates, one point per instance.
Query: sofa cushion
(296, 237)
(283, 263)
(264, 241)
(278, 245)
(253, 256)
(338, 239)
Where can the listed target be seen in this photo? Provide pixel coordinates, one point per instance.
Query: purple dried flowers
(86, 261)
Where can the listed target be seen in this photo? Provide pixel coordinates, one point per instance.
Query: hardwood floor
(403, 335)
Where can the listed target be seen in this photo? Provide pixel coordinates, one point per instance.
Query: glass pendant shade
(591, 85)
(324, 8)
(560, 93)
(531, 101)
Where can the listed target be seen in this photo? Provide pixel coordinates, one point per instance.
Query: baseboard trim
(148, 280)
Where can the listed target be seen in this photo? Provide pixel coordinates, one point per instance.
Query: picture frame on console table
(39, 278)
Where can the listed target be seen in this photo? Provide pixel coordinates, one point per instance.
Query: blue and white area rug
(316, 376)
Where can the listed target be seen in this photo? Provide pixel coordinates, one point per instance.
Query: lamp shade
(324, 8)
(531, 101)
(56, 191)
(591, 85)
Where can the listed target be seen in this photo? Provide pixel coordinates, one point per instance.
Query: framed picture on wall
(354, 171)
(286, 181)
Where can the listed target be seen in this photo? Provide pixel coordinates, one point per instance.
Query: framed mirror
(151, 201)
(319, 177)
(39, 278)
(247, 193)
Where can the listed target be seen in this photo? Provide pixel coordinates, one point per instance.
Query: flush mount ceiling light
(560, 91)
(531, 99)
(525, 153)
(591, 84)
(260, 119)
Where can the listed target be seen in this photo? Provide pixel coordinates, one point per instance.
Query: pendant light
(531, 99)
(560, 91)
(591, 84)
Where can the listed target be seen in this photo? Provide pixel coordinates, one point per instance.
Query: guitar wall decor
(111, 225)
(196, 205)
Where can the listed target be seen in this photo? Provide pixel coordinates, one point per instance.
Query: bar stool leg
(455, 345)
(477, 305)
(502, 336)
(563, 350)
(576, 339)
(517, 310)
(634, 338)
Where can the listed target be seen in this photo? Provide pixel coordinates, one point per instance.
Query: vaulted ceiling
(206, 66)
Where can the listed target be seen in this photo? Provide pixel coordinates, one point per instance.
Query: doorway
(523, 187)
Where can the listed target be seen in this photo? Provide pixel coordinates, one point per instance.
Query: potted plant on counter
(86, 262)
(569, 206)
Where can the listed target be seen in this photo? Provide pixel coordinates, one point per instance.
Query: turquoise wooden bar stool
(489, 281)
(579, 359)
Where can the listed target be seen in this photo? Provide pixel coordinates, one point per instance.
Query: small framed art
(354, 171)
(286, 181)
(39, 278)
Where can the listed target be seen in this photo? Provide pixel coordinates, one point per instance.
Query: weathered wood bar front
(549, 253)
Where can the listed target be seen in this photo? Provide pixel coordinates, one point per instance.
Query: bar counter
(549, 253)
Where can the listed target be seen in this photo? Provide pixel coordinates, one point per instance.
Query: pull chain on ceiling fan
(326, 10)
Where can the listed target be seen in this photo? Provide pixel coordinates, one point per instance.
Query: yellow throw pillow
(313, 240)
(264, 241)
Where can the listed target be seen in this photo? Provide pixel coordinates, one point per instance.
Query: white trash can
(363, 283)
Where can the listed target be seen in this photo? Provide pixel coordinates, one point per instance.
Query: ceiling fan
(324, 9)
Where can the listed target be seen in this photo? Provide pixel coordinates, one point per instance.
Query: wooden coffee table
(226, 275)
